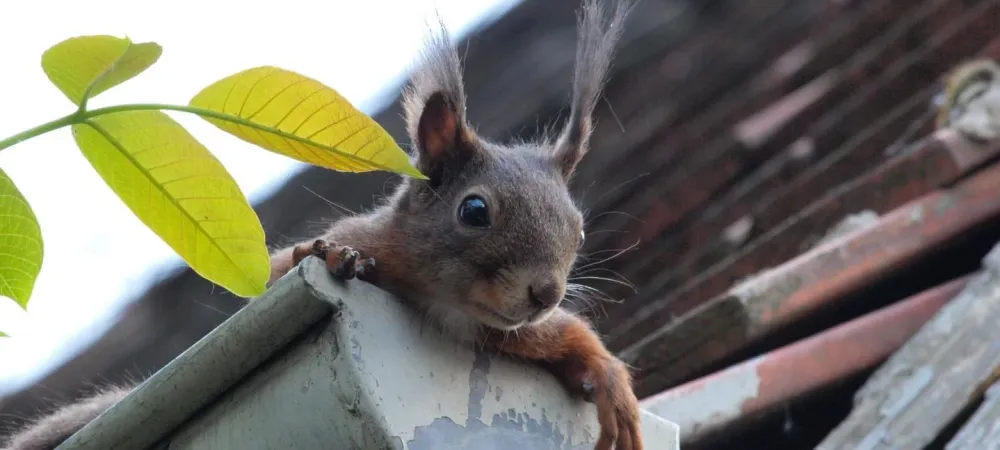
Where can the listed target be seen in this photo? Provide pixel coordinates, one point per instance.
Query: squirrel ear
(442, 137)
(438, 128)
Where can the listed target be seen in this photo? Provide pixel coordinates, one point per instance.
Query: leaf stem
(207, 113)
(83, 116)
(164, 107)
(40, 130)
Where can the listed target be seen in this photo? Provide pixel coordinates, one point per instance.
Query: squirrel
(485, 246)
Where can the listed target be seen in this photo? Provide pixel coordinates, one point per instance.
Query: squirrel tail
(50, 431)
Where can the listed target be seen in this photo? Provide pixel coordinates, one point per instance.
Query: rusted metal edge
(811, 281)
(716, 402)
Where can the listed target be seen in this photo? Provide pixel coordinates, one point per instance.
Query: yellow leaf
(179, 190)
(295, 116)
(20, 244)
(85, 66)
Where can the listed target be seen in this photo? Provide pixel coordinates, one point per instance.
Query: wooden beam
(720, 402)
(981, 432)
(939, 373)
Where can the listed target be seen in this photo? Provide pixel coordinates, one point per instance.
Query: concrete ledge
(319, 364)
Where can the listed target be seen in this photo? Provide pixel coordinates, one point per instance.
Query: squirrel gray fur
(49, 431)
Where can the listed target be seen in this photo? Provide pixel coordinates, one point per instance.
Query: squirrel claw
(344, 267)
(319, 248)
(366, 270)
(344, 262)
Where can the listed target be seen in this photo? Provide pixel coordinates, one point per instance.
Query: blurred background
(746, 191)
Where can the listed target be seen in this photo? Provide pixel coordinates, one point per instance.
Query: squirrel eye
(474, 213)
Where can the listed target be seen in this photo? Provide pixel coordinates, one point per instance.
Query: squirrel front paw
(607, 384)
(343, 261)
(617, 407)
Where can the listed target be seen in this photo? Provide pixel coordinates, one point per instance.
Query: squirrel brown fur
(484, 248)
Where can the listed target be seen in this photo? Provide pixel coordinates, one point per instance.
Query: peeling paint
(940, 369)
(478, 384)
(397, 386)
(850, 224)
(906, 392)
(819, 360)
(356, 350)
(503, 433)
(718, 399)
(768, 293)
(506, 430)
(982, 431)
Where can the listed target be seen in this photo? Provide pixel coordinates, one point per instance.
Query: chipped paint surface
(503, 430)
(374, 377)
(852, 223)
(982, 431)
(817, 362)
(435, 393)
(934, 377)
(712, 400)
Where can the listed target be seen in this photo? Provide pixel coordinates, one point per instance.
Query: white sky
(97, 254)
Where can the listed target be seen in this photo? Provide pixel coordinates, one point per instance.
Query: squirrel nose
(544, 295)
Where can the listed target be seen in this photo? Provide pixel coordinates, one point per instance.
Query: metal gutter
(316, 363)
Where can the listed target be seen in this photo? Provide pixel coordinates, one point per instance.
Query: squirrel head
(495, 230)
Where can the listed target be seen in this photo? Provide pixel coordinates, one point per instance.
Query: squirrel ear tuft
(599, 33)
(434, 104)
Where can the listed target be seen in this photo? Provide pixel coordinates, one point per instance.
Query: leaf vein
(114, 142)
(278, 94)
(249, 93)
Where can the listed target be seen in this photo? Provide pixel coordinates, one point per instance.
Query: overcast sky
(97, 253)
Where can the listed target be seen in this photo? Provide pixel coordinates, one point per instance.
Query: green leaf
(296, 116)
(20, 244)
(182, 192)
(83, 67)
